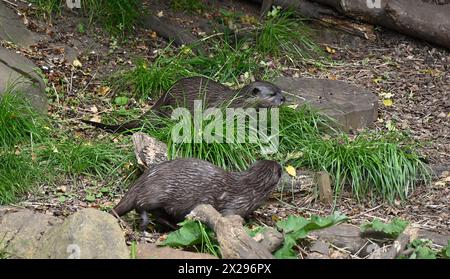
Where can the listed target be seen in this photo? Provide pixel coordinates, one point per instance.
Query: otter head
(265, 94)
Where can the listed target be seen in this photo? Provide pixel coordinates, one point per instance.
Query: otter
(183, 93)
(172, 189)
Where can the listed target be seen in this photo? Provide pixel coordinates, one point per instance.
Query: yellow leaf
(388, 102)
(103, 90)
(291, 171)
(77, 64)
(330, 50)
(377, 80)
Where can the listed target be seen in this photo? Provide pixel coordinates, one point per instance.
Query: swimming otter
(184, 92)
(172, 189)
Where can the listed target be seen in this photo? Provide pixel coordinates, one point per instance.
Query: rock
(320, 247)
(439, 239)
(152, 251)
(343, 236)
(352, 107)
(87, 234)
(13, 29)
(21, 230)
(19, 71)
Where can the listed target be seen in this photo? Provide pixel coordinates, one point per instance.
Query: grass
(149, 81)
(230, 63)
(116, 16)
(187, 5)
(31, 153)
(47, 8)
(373, 164)
(281, 34)
(19, 123)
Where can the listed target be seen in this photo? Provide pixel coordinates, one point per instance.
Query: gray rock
(87, 234)
(343, 236)
(19, 71)
(21, 230)
(152, 251)
(13, 29)
(352, 107)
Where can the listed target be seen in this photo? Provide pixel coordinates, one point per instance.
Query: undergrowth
(116, 16)
(32, 153)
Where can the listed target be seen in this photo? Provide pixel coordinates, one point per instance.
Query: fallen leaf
(77, 64)
(330, 50)
(96, 118)
(291, 171)
(388, 102)
(103, 90)
(160, 14)
(94, 109)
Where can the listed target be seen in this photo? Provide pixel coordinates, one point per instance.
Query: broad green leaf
(189, 234)
(392, 229)
(121, 101)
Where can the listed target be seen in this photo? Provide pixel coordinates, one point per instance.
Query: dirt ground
(414, 74)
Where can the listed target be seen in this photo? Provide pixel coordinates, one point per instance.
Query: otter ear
(256, 91)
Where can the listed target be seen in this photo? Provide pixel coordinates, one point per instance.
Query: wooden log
(324, 183)
(415, 18)
(400, 243)
(165, 29)
(234, 241)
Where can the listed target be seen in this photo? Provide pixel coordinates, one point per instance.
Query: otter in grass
(172, 189)
(258, 94)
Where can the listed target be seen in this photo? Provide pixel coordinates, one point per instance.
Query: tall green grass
(187, 5)
(283, 35)
(116, 16)
(151, 80)
(32, 153)
(19, 123)
(373, 164)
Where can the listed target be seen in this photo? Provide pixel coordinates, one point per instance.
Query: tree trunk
(426, 21)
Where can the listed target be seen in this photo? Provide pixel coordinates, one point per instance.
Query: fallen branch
(234, 241)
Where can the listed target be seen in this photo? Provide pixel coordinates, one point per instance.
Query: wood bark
(234, 241)
(426, 21)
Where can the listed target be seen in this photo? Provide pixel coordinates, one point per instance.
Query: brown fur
(185, 91)
(172, 189)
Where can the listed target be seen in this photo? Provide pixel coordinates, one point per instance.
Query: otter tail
(126, 204)
(114, 128)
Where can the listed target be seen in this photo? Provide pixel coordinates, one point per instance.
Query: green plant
(194, 234)
(282, 34)
(392, 229)
(187, 5)
(47, 8)
(151, 80)
(75, 158)
(116, 16)
(19, 121)
(296, 228)
(380, 164)
(18, 174)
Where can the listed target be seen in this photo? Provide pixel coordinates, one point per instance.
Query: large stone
(13, 29)
(352, 107)
(87, 234)
(21, 230)
(152, 251)
(20, 73)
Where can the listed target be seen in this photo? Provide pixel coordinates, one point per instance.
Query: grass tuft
(187, 5)
(281, 34)
(19, 122)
